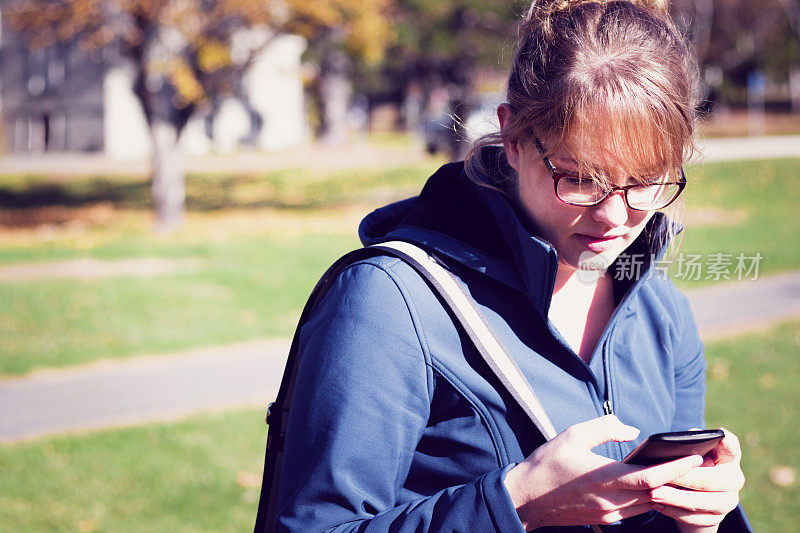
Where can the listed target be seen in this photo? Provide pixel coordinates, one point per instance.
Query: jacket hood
(477, 226)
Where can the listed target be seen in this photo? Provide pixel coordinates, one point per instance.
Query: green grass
(249, 288)
(752, 391)
(262, 241)
(197, 475)
(202, 474)
(761, 198)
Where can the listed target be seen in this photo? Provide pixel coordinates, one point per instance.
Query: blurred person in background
(399, 425)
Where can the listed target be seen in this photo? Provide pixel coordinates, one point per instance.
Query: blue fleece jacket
(397, 424)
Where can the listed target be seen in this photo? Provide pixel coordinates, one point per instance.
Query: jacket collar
(477, 226)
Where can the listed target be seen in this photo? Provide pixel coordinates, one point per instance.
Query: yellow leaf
(190, 91)
(213, 55)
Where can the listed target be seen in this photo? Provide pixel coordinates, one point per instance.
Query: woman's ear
(504, 115)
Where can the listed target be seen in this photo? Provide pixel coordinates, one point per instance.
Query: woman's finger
(618, 499)
(718, 503)
(727, 477)
(728, 450)
(598, 431)
(692, 518)
(654, 476)
(625, 512)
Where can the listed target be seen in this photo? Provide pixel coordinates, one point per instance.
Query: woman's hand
(700, 499)
(564, 483)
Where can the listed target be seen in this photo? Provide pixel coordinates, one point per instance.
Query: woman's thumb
(599, 431)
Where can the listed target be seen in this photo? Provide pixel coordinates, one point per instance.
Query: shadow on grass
(32, 200)
(74, 195)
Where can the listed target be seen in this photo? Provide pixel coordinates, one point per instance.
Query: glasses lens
(577, 190)
(653, 196)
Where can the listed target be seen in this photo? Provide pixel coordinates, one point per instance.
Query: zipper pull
(608, 408)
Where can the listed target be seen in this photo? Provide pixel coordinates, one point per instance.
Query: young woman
(398, 424)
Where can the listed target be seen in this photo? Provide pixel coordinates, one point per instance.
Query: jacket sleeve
(690, 372)
(361, 403)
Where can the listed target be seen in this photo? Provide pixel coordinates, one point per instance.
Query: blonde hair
(618, 73)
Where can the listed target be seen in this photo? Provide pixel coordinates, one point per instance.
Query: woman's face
(584, 237)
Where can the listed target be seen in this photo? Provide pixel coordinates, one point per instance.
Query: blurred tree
(734, 37)
(188, 52)
(792, 8)
(440, 46)
(341, 33)
(696, 17)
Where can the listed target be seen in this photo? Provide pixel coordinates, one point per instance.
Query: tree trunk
(168, 177)
(335, 89)
(700, 30)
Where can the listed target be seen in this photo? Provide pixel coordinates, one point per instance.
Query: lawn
(260, 242)
(753, 391)
(744, 207)
(246, 288)
(255, 262)
(203, 474)
(197, 475)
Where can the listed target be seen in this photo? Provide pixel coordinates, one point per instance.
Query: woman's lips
(598, 244)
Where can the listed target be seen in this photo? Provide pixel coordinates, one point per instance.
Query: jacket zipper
(608, 395)
(608, 400)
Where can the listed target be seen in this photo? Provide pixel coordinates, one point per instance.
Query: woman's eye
(576, 181)
(655, 180)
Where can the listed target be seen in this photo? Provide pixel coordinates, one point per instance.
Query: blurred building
(52, 98)
(62, 98)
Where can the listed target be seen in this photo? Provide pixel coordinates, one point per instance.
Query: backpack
(464, 309)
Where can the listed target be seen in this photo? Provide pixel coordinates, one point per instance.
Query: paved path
(727, 309)
(725, 149)
(66, 166)
(143, 389)
(146, 389)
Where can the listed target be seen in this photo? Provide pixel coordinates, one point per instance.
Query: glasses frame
(557, 175)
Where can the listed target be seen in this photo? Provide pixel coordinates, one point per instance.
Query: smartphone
(665, 447)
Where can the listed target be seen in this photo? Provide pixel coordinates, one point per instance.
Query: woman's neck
(582, 304)
(567, 275)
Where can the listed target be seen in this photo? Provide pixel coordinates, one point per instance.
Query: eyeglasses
(574, 189)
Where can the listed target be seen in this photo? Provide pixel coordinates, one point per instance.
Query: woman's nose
(612, 211)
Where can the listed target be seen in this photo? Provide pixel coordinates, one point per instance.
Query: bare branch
(792, 9)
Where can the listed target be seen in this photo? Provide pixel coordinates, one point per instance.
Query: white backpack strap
(474, 323)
